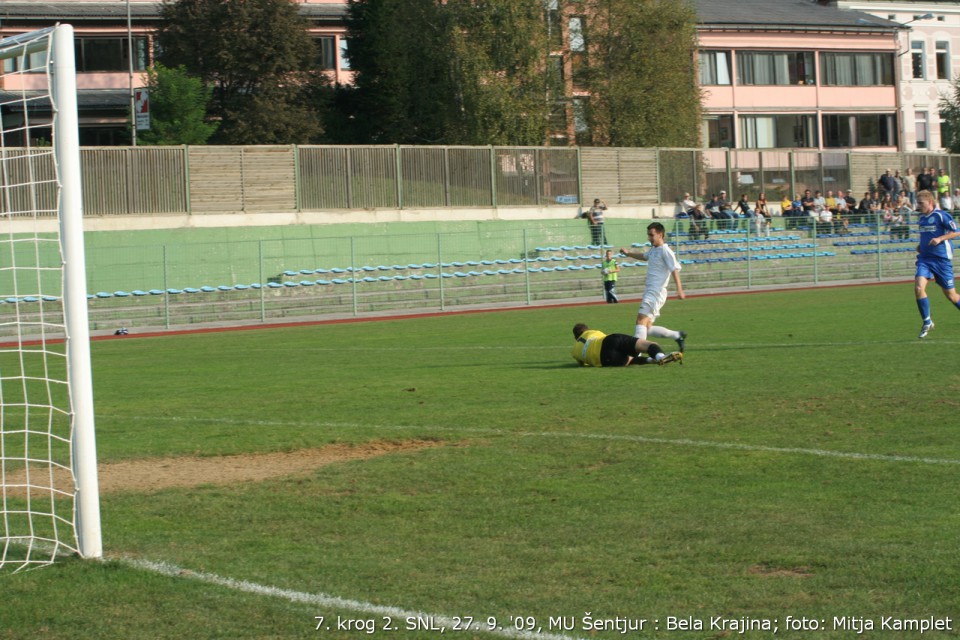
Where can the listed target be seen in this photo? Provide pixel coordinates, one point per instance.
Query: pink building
(773, 73)
(795, 74)
(115, 43)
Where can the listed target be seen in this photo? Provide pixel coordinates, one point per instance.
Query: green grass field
(801, 469)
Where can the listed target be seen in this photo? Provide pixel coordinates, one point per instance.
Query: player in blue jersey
(934, 256)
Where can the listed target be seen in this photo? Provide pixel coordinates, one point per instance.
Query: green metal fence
(290, 279)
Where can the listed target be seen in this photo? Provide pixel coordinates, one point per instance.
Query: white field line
(397, 615)
(676, 442)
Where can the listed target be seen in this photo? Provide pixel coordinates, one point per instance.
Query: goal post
(49, 493)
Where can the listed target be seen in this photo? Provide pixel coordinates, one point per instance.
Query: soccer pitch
(798, 475)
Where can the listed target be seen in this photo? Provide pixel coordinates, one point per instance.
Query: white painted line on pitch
(334, 602)
(752, 447)
(680, 442)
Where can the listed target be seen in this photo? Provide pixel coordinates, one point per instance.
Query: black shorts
(617, 349)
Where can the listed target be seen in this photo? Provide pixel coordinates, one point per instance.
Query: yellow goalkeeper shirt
(586, 350)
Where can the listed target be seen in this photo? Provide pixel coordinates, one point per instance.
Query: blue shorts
(936, 269)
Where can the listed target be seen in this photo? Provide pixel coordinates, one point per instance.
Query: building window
(554, 30)
(714, 67)
(772, 132)
(718, 131)
(326, 52)
(943, 61)
(555, 75)
(775, 68)
(946, 131)
(578, 51)
(920, 117)
(575, 31)
(34, 63)
(344, 54)
(856, 69)
(110, 54)
(916, 59)
(859, 130)
(581, 127)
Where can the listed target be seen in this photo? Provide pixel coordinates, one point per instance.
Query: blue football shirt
(933, 225)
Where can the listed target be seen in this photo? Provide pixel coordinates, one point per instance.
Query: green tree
(451, 72)
(950, 115)
(178, 108)
(641, 74)
(503, 87)
(260, 61)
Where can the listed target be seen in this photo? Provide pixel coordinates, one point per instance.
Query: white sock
(660, 356)
(663, 332)
(640, 333)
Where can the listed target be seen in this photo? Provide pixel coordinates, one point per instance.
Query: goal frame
(58, 42)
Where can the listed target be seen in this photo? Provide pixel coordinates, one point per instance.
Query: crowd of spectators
(889, 206)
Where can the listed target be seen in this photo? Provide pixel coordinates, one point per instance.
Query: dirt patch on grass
(154, 474)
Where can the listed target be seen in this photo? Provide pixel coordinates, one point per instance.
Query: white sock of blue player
(663, 332)
(923, 304)
(640, 332)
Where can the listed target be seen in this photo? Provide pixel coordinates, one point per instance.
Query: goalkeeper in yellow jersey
(596, 349)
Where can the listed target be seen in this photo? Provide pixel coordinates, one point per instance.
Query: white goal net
(49, 503)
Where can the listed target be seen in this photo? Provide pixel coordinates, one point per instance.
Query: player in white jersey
(662, 263)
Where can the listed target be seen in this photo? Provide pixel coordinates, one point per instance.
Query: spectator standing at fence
(841, 213)
(943, 189)
(762, 217)
(595, 220)
(809, 206)
(796, 212)
(610, 269)
(926, 181)
(934, 256)
(662, 264)
(910, 186)
(744, 211)
(885, 182)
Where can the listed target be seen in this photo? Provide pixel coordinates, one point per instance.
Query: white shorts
(651, 304)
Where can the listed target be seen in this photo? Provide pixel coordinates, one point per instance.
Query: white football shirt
(661, 262)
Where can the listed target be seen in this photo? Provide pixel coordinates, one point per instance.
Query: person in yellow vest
(610, 269)
(943, 189)
(596, 349)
